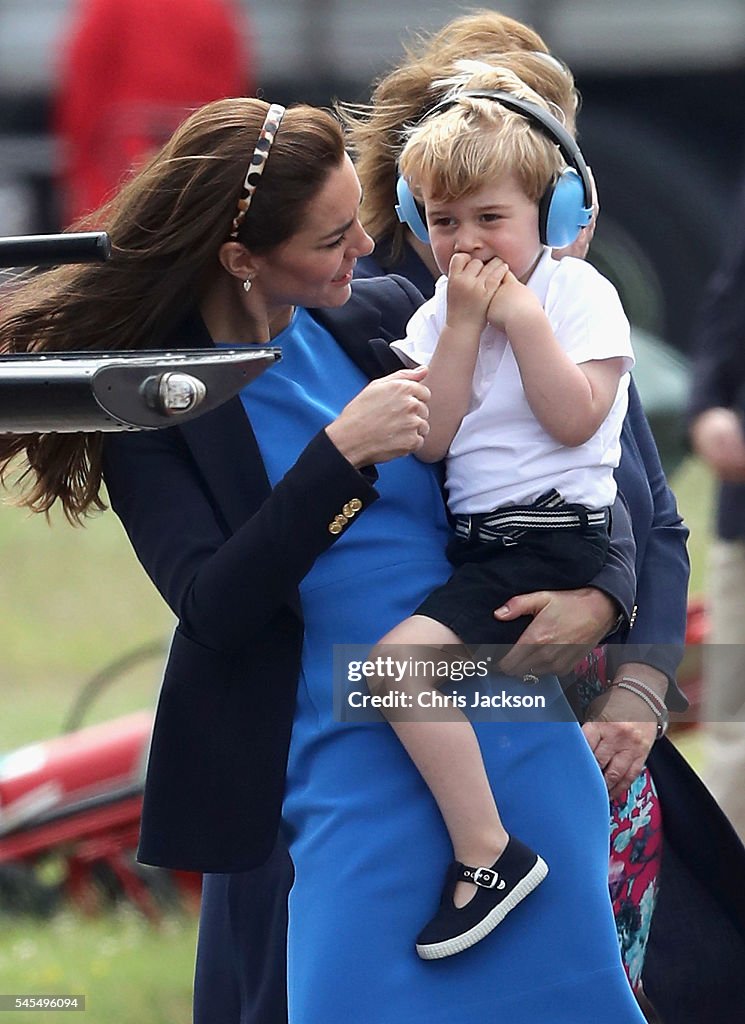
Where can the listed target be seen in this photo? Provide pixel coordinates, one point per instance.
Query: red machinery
(69, 819)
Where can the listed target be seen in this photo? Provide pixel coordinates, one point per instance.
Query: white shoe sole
(438, 950)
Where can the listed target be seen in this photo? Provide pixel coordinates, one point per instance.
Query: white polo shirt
(501, 455)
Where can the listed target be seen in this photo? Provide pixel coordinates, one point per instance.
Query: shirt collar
(540, 279)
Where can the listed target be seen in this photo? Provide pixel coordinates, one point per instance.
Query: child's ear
(237, 260)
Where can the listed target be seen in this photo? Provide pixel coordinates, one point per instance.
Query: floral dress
(635, 841)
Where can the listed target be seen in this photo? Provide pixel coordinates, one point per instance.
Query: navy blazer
(227, 552)
(700, 916)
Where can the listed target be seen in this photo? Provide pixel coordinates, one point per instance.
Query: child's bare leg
(443, 745)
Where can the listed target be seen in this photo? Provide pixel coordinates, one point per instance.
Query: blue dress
(368, 843)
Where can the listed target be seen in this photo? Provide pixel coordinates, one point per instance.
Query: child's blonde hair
(480, 141)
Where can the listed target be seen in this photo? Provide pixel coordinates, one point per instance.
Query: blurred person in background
(717, 431)
(130, 72)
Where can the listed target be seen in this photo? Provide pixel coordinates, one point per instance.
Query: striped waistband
(547, 512)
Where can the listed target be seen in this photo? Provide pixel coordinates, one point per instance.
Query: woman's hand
(388, 418)
(621, 728)
(566, 625)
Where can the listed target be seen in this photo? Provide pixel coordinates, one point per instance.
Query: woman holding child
(290, 520)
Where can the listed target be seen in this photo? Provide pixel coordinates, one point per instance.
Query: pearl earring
(247, 285)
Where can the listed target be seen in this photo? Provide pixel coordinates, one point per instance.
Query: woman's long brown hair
(167, 225)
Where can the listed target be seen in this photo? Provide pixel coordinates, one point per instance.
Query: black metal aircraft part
(84, 391)
(50, 392)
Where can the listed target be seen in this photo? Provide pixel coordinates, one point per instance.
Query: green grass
(71, 602)
(130, 972)
(694, 488)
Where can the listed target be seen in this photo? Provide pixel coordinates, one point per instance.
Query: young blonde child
(528, 372)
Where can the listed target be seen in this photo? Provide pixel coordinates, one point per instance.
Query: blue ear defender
(562, 212)
(566, 205)
(409, 211)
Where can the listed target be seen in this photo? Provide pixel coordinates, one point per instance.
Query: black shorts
(516, 561)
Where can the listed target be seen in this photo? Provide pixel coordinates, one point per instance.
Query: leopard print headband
(258, 162)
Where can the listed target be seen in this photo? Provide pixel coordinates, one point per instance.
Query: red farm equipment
(69, 819)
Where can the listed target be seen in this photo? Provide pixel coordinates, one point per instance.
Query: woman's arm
(225, 585)
(621, 728)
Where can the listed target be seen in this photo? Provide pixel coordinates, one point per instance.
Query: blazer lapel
(360, 341)
(359, 330)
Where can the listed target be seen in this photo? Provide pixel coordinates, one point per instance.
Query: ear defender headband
(269, 129)
(566, 205)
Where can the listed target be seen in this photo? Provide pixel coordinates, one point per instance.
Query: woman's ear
(237, 260)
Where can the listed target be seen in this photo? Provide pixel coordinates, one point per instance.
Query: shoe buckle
(486, 878)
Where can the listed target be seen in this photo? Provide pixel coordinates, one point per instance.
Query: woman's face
(314, 267)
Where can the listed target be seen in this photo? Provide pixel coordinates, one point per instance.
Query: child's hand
(511, 300)
(471, 287)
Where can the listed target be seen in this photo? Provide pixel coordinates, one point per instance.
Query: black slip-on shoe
(511, 878)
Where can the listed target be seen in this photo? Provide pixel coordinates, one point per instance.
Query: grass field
(71, 602)
(129, 971)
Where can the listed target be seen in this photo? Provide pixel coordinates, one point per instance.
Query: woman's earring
(247, 285)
